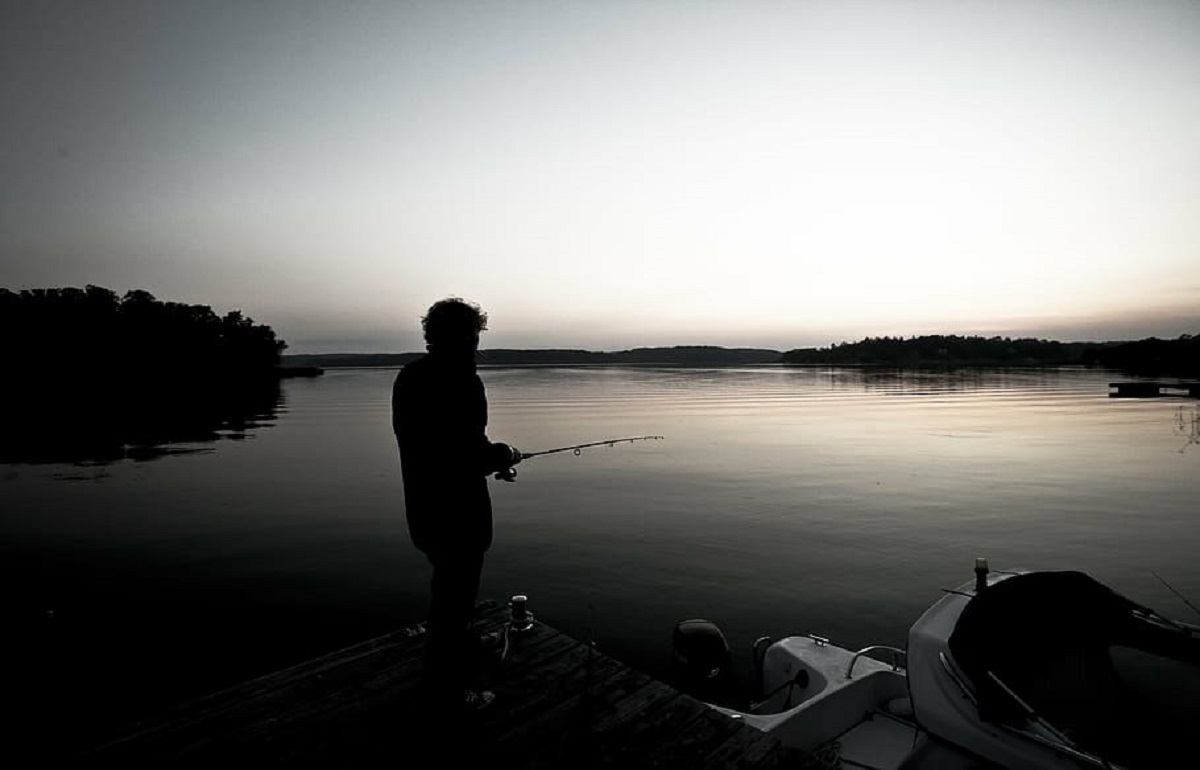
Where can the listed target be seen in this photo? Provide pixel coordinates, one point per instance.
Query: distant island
(944, 350)
(1150, 357)
(680, 355)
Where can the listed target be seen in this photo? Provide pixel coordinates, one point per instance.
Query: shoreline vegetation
(1148, 357)
(138, 340)
(94, 377)
(97, 377)
(134, 336)
(680, 355)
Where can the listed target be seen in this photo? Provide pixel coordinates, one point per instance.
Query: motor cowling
(702, 662)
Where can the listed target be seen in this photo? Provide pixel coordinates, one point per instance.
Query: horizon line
(753, 347)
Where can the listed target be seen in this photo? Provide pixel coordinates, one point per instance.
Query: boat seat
(1086, 661)
(1078, 692)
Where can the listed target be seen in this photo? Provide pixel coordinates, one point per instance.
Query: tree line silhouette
(679, 355)
(132, 336)
(944, 350)
(1152, 357)
(93, 376)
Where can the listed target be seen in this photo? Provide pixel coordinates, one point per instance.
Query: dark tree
(89, 374)
(1152, 356)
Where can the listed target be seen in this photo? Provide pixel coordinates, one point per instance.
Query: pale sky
(613, 174)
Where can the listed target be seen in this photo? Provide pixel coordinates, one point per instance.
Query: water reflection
(1187, 424)
(921, 382)
(783, 500)
(91, 424)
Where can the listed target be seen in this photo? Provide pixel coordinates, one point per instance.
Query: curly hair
(453, 322)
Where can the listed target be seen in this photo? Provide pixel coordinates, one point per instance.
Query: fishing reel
(508, 474)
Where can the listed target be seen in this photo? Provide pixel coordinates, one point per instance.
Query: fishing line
(1182, 598)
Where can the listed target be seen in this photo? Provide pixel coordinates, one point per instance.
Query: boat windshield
(1112, 676)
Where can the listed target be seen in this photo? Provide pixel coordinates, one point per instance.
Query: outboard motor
(703, 665)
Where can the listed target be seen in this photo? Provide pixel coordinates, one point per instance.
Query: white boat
(1015, 669)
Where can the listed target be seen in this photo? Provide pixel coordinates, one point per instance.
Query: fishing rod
(510, 474)
(1182, 598)
(578, 448)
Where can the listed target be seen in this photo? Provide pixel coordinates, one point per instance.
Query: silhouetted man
(439, 415)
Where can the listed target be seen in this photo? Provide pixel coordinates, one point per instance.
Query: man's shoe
(478, 700)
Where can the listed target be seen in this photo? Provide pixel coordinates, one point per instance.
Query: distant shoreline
(672, 356)
(1150, 357)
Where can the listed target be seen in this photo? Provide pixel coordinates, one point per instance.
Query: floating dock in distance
(1154, 389)
(560, 703)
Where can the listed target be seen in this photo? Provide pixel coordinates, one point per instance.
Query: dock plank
(560, 703)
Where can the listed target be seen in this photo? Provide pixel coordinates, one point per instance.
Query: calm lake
(832, 501)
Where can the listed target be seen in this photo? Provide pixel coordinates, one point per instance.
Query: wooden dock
(1154, 389)
(560, 703)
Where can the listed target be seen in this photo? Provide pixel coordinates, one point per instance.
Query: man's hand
(514, 457)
